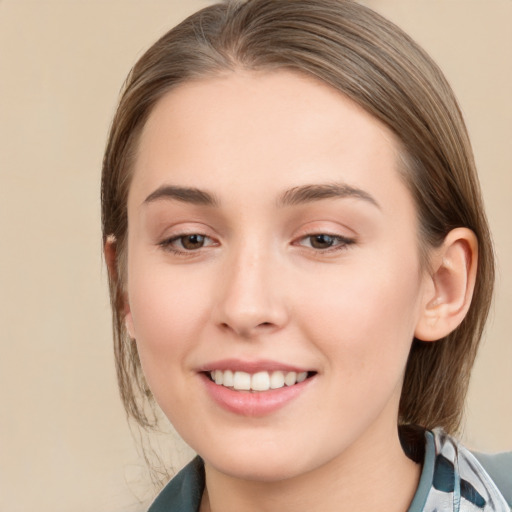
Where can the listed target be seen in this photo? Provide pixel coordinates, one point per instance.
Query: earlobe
(450, 287)
(110, 251)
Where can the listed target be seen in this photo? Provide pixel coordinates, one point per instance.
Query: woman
(300, 266)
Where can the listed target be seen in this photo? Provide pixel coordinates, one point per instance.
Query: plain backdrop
(64, 442)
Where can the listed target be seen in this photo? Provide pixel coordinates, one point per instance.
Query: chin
(264, 470)
(261, 463)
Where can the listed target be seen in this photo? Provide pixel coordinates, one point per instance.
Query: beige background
(64, 443)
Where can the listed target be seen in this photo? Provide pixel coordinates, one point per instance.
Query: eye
(324, 241)
(187, 243)
(191, 242)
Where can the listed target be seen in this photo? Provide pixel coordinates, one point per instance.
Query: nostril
(247, 331)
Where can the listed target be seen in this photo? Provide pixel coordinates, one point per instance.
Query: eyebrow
(309, 193)
(294, 196)
(185, 194)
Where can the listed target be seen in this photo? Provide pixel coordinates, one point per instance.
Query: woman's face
(272, 239)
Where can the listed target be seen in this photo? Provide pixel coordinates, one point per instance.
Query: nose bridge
(251, 300)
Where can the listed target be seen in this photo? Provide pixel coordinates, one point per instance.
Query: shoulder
(499, 467)
(183, 493)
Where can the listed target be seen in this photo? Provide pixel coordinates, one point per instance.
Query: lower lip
(254, 403)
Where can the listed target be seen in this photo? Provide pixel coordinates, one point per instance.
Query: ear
(110, 251)
(450, 285)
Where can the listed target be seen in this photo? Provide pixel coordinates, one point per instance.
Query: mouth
(259, 381)
(255, 388)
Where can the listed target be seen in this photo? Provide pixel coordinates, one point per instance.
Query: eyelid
(169, 230)
(343, 241)
(174, 238)
(166, 243)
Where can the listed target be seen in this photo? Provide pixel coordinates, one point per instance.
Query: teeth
(242, 381)
(260, 381)
(228, 378)
(276, 380)
(290, 378)
(302, 376)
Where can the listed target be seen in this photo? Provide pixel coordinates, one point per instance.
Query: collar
(452, 480)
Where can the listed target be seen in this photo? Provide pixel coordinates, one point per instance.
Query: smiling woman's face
(271, 238)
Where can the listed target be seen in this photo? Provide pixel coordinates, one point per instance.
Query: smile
(256, 392)
(260, 381)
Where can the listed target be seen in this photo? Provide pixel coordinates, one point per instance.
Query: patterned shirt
(452, 480)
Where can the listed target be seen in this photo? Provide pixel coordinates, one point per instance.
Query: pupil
(322, 241)
(193, 241)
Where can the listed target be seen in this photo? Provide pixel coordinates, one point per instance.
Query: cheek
(365, 318)
(168, 312)
(168, 317)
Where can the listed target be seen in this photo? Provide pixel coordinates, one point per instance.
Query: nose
(251, 299)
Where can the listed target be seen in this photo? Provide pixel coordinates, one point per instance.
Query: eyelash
(167, 244)
(340, 243)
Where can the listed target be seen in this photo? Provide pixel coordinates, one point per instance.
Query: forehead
(268, 129)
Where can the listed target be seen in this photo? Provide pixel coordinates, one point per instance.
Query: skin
(259, 288)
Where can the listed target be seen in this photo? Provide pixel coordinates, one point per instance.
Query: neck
(368, 476)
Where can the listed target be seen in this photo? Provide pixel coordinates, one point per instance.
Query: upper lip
(255, 366)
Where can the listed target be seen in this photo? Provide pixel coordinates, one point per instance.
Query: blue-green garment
(452, 480)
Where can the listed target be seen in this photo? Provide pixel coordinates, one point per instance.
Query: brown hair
(378, 66)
